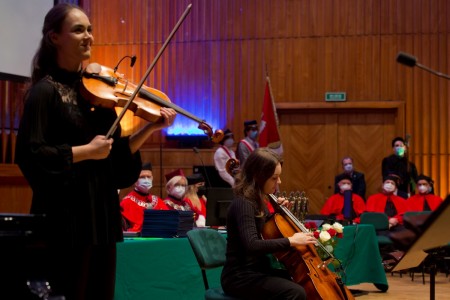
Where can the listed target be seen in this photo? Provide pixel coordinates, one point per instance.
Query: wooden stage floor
(403, 288)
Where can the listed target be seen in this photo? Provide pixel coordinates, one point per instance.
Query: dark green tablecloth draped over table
(151, 268)
(360, 257)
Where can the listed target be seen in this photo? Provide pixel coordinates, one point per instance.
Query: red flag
(268, 130)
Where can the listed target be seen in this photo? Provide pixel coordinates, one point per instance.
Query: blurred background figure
(249, 143)
(140, 199)
(195, 197)
(398, 163)
(344, 205)
(389, 203)
(176, 189)
(424, 200)
(357, 178)
(223, 154)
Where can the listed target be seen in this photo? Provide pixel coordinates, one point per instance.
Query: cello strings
(299, 224)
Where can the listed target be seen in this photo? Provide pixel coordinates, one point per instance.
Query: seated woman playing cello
(247, 272)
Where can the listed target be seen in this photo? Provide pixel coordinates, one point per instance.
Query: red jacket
(377, 203)
(133, 206)
(196, 210)
(335, 204)
(415, 202)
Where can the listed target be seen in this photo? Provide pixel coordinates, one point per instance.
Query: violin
(106, 88)
(303, 262)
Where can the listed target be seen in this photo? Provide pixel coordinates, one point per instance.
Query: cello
(303, 262)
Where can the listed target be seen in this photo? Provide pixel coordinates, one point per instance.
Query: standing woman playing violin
(247, 272)
(72, 168)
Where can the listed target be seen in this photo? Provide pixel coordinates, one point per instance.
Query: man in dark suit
(398, 163)
(358, 180)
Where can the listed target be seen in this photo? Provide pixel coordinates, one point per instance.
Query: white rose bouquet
(327, 235)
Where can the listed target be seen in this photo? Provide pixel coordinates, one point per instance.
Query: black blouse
(246, 250)
(80, 200)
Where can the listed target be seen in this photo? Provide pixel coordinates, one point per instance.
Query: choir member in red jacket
(387, 202)
(425, 200)
(196, 198)
(334, 206)
(176, 190)
(140, 199)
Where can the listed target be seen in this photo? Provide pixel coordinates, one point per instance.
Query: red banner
(268, 130)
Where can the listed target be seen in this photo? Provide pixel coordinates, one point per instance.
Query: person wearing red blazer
(387, 202)
(425, 200)
(334, 206)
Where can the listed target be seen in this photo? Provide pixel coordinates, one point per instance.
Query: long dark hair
(257, 169)
(45, 58)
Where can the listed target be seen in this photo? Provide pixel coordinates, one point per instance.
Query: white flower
(324, 236)
(326, 226)
(329, 248)
(338, 227)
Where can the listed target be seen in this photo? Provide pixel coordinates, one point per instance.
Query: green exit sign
(335, 96)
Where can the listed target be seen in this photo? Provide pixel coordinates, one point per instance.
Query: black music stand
(435, 233)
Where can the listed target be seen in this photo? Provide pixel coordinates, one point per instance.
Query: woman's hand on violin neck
(139, 138)
(98, 148)
(168, 115)
(301, 239)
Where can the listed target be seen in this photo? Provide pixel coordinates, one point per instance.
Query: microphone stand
(411, 61)
(439, 74)
(408, 167)
(203, 165)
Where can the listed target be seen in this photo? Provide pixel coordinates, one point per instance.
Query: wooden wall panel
(316, 139)
(215, 66)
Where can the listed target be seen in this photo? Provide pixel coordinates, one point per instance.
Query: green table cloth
(152, 268)
(358, 251)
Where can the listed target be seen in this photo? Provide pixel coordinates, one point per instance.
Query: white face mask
(348, 168)
(345, 187)
(228, 143)
(423, 189)
(144, 185)
(178, 191)
(389, 187)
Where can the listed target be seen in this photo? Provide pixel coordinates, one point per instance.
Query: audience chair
(380, 222)
(209, 248)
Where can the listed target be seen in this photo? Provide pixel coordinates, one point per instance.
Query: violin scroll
(232, 166)
(218, 136)
(207, 129)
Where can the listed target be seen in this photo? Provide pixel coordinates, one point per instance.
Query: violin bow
(150, 68)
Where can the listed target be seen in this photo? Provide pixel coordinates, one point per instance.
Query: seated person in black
(357, 178)
(336, 207)
(247, 273)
